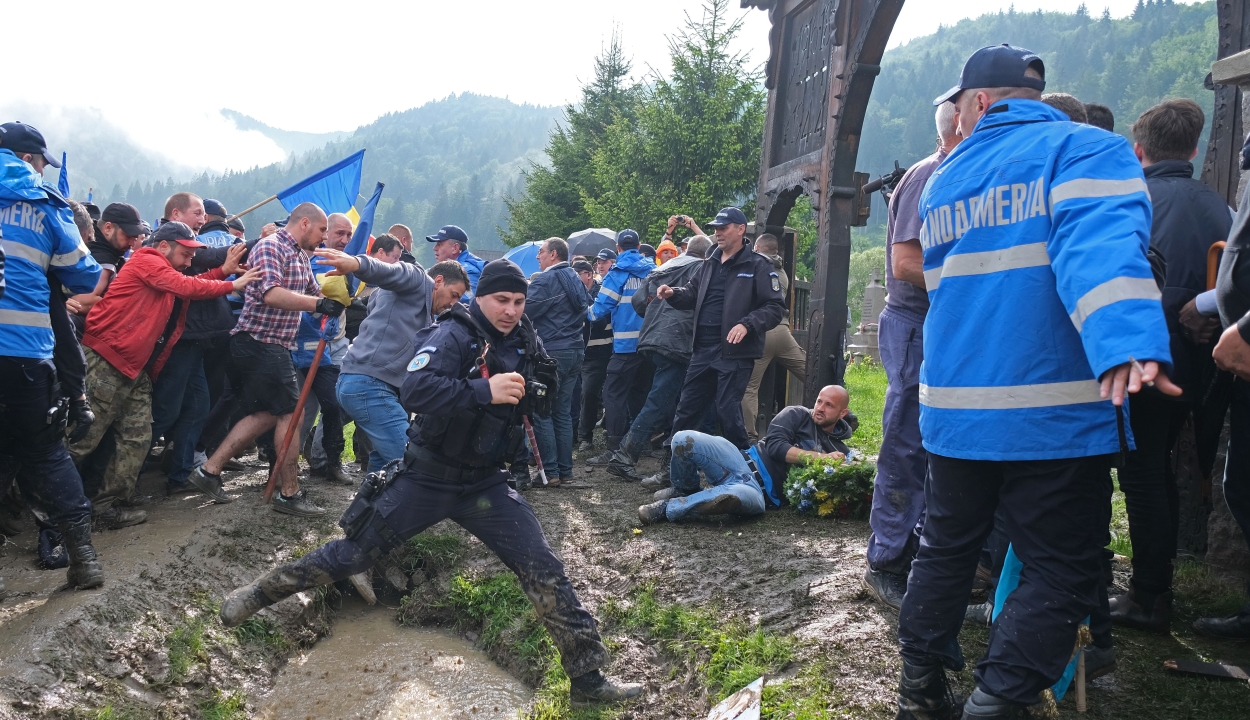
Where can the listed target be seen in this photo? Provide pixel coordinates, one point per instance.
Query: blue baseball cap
(606, 254)
(214, 207)
(22, 138)
(997, 66)
(627, 239)
(449, 232)
(728, 216)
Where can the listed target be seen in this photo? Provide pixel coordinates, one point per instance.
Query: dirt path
(147, 644)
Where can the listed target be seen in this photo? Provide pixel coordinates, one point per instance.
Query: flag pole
(262, 203)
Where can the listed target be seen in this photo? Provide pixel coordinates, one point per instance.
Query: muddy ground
(148, 644)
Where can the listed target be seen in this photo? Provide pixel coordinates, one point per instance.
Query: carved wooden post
(825, 55)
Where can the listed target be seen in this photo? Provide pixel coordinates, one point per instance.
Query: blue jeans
(726, 470)
(898, 494)
(180, 404)
(555, 433)
(375, 408)
(657, 413)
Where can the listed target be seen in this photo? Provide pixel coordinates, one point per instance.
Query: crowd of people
(1040, 269)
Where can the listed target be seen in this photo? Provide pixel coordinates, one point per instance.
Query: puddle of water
(372, 668)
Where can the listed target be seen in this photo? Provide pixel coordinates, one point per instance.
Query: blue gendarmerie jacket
(39, 236)
(472, 265)
(557, 302)
(614, 299)
(1035, 235)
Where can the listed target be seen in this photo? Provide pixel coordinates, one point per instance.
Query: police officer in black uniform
(476, 371)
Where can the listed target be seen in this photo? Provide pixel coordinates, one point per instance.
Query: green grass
(186, 647)
(866, 381)
(433, 553)
(727, 654)
(1121, 544)
(257, 630)
(225, 706)
(108, 712)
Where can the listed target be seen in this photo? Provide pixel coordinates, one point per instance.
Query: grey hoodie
(397, 310)
(665, 329)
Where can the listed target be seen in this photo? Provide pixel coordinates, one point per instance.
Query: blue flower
(807, 492)
(806, 506)
(828, 469)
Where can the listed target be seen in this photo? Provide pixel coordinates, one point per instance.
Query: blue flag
(333, 189)
(359, 244)
(63, 183)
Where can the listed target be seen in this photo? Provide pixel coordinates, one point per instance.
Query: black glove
(81, 416)
(333, 308)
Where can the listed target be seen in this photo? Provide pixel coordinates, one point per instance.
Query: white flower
(828, 470)
(811, 484)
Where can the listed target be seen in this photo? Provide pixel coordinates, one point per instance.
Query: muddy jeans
(497, 516)
(126, 406)
(726, 470)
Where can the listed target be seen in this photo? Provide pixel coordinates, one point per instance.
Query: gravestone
(864, 343)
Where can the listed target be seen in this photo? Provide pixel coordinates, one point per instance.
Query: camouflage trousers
(124, 405)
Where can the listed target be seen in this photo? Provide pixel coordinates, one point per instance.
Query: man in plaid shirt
(260, 348)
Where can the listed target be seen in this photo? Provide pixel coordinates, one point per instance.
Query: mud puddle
(373, 668)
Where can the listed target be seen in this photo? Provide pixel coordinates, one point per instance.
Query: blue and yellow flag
(333, 189)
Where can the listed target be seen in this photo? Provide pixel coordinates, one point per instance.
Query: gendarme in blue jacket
(39, 235)
(472, 265)
(1034, 238)
(614, 298)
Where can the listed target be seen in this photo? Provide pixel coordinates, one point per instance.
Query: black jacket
(1188, 217)
(665, 329)
(210, 318)
(753, 298)
(794, 427)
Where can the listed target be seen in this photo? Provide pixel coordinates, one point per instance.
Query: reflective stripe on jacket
(1035, 235)
(622, 280)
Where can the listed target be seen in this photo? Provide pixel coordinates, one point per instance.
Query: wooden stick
(297, 415)
(1080, 680)
(262, 203)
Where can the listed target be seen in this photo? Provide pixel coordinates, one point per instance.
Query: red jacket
(124, 326)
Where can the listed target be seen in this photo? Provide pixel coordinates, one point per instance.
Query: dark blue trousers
(501, 519)
(1055, 516)
(657, 411)
(30, 450)
(180, 404)
(1237, 469)
(711, 380)
(898, 492)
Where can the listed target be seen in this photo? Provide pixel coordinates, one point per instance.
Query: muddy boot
(584, 447)
(335, 474)
(277, 584)
(924, 694)
(1129, 610)
(984, 706)
(887, 587)
(84, 569)
(623, 461)
(114, 517)
(660, 479)
(614, 444)
(980, 614)
(593, 688)
(653, 513)
(1234, 627)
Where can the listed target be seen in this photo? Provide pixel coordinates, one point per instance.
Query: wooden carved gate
(824, 57)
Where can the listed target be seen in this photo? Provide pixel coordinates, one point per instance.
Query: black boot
(984, 706)
(924, 694)
(84, 569)
(660, 479)
(624, 461)
(1236, 627)
(1136, 611)
(614, 444)
(277, 584)
(887, 587)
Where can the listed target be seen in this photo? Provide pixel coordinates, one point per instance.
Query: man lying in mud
(745, 482)
(468, 383)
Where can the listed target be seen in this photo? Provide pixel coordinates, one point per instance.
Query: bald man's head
(307, 225)
(831, 406)
(403, 235)
(339, 231)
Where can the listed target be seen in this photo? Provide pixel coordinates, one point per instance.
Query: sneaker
(980, 614)
(621, 467)
(888, 588)
(114, 517)
(297, 505)
(652, 513)
(209, 484)
(1236, 627)
(593, 688)
(657, 480)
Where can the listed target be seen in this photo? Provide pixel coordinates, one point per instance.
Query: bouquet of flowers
(832, 487)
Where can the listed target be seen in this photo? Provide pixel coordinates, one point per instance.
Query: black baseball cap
(583, 266)
(449, 232)
(236, 224)
(22, 138)
(124, 216)
(92, 209)
(606, 254)
(214, 207)
(177, 232)
(997, 66)
(729, 216)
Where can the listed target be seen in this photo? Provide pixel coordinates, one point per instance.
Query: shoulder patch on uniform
(428, 348)
(776, 283)
(421, 360)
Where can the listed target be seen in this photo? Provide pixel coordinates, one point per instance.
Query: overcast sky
(161, 70)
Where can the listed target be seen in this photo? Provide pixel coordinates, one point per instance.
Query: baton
(298, 414)
(529, 429)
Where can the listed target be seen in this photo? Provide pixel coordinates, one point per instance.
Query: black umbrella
(590, 241)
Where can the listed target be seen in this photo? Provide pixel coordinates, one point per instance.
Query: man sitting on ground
(745, 482)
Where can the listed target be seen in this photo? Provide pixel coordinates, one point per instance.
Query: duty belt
(431, 464)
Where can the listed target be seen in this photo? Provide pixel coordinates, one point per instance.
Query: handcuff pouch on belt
(362, 514)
